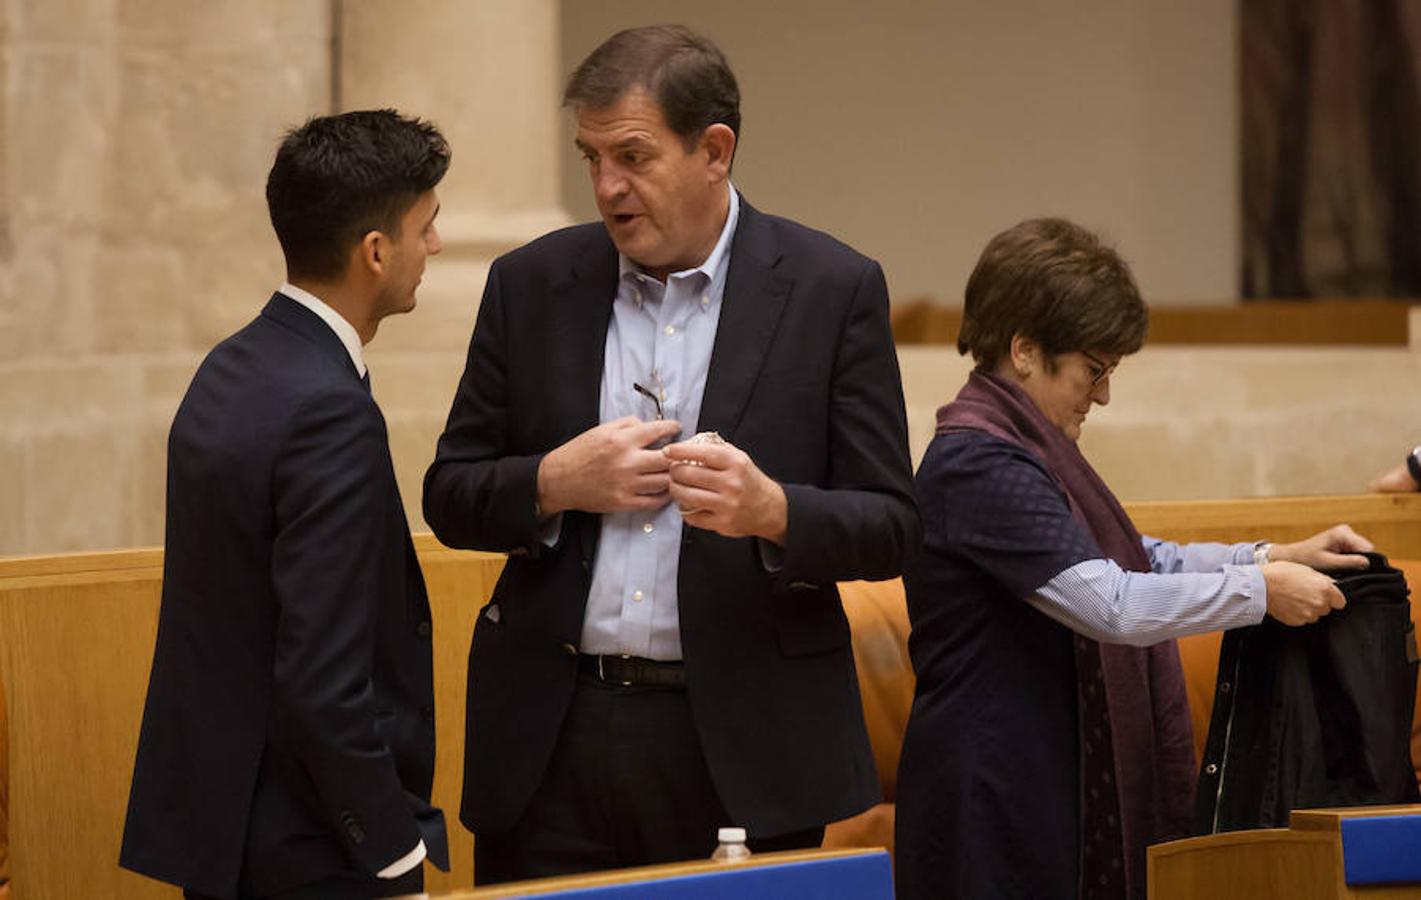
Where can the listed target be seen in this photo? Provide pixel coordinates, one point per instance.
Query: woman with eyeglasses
(1050, 740)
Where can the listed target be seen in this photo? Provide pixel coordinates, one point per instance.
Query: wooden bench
(76, 640)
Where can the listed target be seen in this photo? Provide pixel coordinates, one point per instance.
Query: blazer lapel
(577, 343)
(756, 291)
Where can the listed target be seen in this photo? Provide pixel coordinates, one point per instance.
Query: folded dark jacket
(1314, 716)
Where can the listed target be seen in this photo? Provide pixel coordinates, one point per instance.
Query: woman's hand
(1298, 595)
(1336, 548)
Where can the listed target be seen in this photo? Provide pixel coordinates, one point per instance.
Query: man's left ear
(719, 142)
(374, 252)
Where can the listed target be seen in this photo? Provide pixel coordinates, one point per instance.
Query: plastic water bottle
(732, 845)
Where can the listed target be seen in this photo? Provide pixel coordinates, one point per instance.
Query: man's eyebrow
(634, 139)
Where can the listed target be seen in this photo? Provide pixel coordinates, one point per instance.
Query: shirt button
(637, 596)
(1210, 769)
(705, 301)
(1223, 687)
(424, 629)
(670, 330)
(648, 528)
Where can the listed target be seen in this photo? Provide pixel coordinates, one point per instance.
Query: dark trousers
(627, 785)
(411, 882)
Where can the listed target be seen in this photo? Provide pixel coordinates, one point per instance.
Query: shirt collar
(343, 329)
(715, 264)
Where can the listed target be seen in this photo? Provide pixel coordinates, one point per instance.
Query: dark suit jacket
(804, 378)
(289, 729)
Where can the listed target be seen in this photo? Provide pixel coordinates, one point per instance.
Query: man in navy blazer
(665, 651)
(287, 746)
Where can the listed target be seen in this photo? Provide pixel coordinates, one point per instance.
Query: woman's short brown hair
(1056, 283)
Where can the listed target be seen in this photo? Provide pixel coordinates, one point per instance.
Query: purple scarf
(1151, 732)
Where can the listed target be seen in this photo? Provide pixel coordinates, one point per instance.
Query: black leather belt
(629, 671)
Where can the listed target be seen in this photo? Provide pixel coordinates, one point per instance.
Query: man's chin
(399, 309)
(644, 257)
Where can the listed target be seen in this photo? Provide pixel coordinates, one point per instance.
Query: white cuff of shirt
(772, 556)
(404, 863)
(1257, 594)
(550, 531)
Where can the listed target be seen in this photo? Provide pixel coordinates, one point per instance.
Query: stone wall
(1188, 423)
(486, 73)
(135, 139)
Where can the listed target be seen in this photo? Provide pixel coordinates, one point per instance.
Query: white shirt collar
(343, 329)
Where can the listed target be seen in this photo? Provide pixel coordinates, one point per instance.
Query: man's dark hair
(685, 73)
(336, 178)
(1054, 282)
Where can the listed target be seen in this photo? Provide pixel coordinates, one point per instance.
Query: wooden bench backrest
(76, 643)
(76, 640)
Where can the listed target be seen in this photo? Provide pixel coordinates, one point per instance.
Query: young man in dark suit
(665, 651)
(287, 746)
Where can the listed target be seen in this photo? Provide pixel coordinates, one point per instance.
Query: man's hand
(719, 488)
(608, 469)
(1298, 595)
(1394, 481)
(1336, 548)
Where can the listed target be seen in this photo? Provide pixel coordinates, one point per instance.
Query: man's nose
(608, 183)
(434, 243)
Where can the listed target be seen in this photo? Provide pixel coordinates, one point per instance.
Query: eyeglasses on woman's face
(1098, 368)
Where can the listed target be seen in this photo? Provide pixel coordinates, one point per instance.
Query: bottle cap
(731, 835)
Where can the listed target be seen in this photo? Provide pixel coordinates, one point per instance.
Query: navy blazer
(804, 378)
(288, 734)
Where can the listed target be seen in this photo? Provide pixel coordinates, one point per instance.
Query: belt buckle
(602, 675)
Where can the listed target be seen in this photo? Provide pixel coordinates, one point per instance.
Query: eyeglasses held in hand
(655, 396)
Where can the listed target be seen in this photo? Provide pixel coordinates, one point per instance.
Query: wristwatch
(1260, 553)
(1413, 465)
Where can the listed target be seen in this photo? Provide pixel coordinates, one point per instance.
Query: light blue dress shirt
(1192, 588)
(660, 337)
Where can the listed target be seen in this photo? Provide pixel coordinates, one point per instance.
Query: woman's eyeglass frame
(1102, 369)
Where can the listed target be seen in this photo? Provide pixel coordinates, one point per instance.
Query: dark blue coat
(288, 734)
(803, 377)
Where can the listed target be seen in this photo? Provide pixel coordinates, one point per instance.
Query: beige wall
(135, 142)
(915, 131)
(1188, 422)
(135, 137)
(486, 73)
